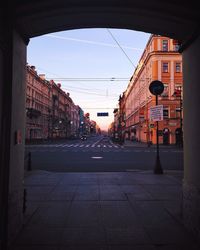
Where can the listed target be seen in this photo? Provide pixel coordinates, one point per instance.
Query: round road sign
(156, 87)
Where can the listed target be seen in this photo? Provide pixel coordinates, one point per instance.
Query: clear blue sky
(89, 53)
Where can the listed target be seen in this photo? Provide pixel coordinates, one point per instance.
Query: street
(100, 154)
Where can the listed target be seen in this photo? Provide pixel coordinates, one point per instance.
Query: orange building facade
(159, 61)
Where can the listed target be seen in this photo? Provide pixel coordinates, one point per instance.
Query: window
(178, 112)
(165, 67)
(166, 90)
(176, 45)
(164, 45)
(178, 85)
(178, 90)
(165, 112)
(177, 67)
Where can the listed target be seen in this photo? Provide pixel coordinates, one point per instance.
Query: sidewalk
(144, 145)
(108, 211)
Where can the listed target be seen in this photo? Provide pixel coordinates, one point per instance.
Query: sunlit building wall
(159, 61)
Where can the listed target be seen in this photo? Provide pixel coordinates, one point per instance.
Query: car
(83, 137)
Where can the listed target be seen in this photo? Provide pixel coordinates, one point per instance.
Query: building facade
(38, 105)
(159, 61)
(50, 111)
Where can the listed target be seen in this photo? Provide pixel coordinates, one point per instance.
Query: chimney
(42, 76)
(51, 82)
(33, 68)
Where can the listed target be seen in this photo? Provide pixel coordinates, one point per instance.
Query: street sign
(156, 113)
(102, 114)
(156, 87)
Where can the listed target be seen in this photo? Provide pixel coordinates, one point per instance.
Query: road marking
(96, 157)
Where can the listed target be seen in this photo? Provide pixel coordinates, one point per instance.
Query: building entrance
(165, 136)
(178, 134)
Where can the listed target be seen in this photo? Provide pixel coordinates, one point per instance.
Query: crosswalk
(76, 145)
(73, 147)
(86, 147)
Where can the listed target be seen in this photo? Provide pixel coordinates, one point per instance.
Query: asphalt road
(100, 154)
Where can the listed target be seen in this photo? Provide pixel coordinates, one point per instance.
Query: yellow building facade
(159, 61)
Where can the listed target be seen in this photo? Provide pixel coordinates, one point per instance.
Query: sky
(93, 65)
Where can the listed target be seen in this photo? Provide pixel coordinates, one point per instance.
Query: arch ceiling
(173, 18)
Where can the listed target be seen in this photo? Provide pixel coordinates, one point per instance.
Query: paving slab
(103, 211)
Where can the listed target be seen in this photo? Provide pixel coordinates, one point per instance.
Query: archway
(22, 21)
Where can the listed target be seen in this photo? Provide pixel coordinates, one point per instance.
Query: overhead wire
(121, 48)
(94, 79)
(89, 79)
(91, 93)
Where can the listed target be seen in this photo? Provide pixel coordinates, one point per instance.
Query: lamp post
(181, 119)
(178, 93)
(156, 88)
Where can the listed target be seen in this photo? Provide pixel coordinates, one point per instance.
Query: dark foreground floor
(107, 211)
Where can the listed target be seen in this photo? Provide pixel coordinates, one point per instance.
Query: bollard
(29, 161)
(24, 201)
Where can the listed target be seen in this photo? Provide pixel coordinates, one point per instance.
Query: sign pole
(158, 167)
(156, 88)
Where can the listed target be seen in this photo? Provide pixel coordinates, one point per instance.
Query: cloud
(92, 42)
